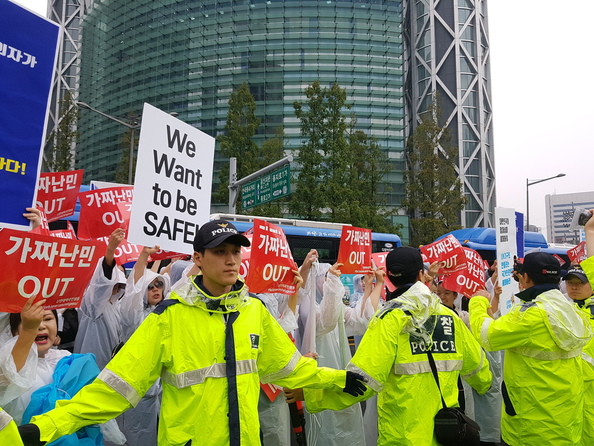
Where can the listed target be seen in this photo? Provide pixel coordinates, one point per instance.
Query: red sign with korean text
(55, 269)
(447, 250)
(379, 258)
(126, 252)
(103, 210)
(578, 253)
(271, 261)
(355, 250)
(470, 279)
(57, 192)
(43, 228)
(246, 252)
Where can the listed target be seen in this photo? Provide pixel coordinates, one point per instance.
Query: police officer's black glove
(30, 435)
(354, 384)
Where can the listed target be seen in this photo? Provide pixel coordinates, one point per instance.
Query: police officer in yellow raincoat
(392, 357)
(211, 344)
(9, 434)
(543, 340)
(579, 289)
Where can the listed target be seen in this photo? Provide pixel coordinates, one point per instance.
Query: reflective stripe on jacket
(396, 366)
(543, 382)
(185, 345)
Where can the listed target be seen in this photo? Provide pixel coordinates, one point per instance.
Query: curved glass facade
(188, 56)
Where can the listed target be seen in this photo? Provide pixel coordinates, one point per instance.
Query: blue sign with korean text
(28, 50)
(520, 234)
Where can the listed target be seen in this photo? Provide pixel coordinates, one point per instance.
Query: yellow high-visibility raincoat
(588, 356)
(392, 356)
(542, 369)
(9, 434)
(211, 354)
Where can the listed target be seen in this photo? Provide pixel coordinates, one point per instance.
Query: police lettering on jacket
(444, 339)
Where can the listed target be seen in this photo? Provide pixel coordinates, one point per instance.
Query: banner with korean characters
(57, 193)
(379, 259)
(507, 251)
(103, 210)
(578, 253)
(28, 54)
(271, 261)
(51, 268)
(354, 251)
(447, 250)
(470, 279)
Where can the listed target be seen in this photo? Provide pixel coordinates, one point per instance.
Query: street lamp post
(132, 126)
(531, 183)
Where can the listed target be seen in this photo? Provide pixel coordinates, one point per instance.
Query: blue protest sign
(28, 50)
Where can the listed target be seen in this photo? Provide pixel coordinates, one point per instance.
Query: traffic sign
(267, 188)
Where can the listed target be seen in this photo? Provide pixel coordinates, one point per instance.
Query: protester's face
(447, 296)
(220, 267)
(47, 333)
(155, 291)
(578, 290)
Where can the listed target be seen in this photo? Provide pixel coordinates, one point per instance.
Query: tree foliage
(237, 141)
(59, 151)
(122, 172)
(433, 189)
(341, 168)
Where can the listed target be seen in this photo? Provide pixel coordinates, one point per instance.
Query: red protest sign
(101, 211)
(379, 258)
(355, 250)
(163, 255)
(55, 269)
(470, 279)
(246, 252)
(57, 192)
(43, 227)
(271, 261)
(577, 253)
(126, 252)
(447, 250)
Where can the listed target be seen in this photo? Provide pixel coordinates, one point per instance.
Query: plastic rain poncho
(275, 422)
(99, 329)
(334, 323)
(139, 424)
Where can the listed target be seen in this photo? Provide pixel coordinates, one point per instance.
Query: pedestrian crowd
(186, 355)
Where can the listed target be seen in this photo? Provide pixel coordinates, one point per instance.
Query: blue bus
(303, 235)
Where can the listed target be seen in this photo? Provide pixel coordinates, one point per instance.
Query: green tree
(323, 156)
(341, 168)
(59, 150)
(237, 141)
(434, 198)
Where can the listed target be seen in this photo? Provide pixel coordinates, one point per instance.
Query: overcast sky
(543, 98)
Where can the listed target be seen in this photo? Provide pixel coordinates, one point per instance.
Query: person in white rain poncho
(99, 312)
(334, 322)
(144, 291)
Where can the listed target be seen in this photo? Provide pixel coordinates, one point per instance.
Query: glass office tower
(188, 56)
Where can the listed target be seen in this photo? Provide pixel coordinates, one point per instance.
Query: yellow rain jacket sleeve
(543, 379)
(186, 347)
(397, 368)
(9, 434)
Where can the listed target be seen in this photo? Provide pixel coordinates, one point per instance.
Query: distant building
(560, 209)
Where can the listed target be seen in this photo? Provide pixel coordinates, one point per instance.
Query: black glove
(354, 384)
(30, 435)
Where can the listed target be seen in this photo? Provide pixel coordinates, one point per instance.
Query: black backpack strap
(434, 370)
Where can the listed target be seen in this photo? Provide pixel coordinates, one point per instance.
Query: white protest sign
(172, 184)
(505, 226)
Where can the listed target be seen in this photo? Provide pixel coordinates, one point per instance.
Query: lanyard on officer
(234, 427)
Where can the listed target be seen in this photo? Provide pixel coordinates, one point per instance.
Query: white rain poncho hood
(569, 328)
(420, 303)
